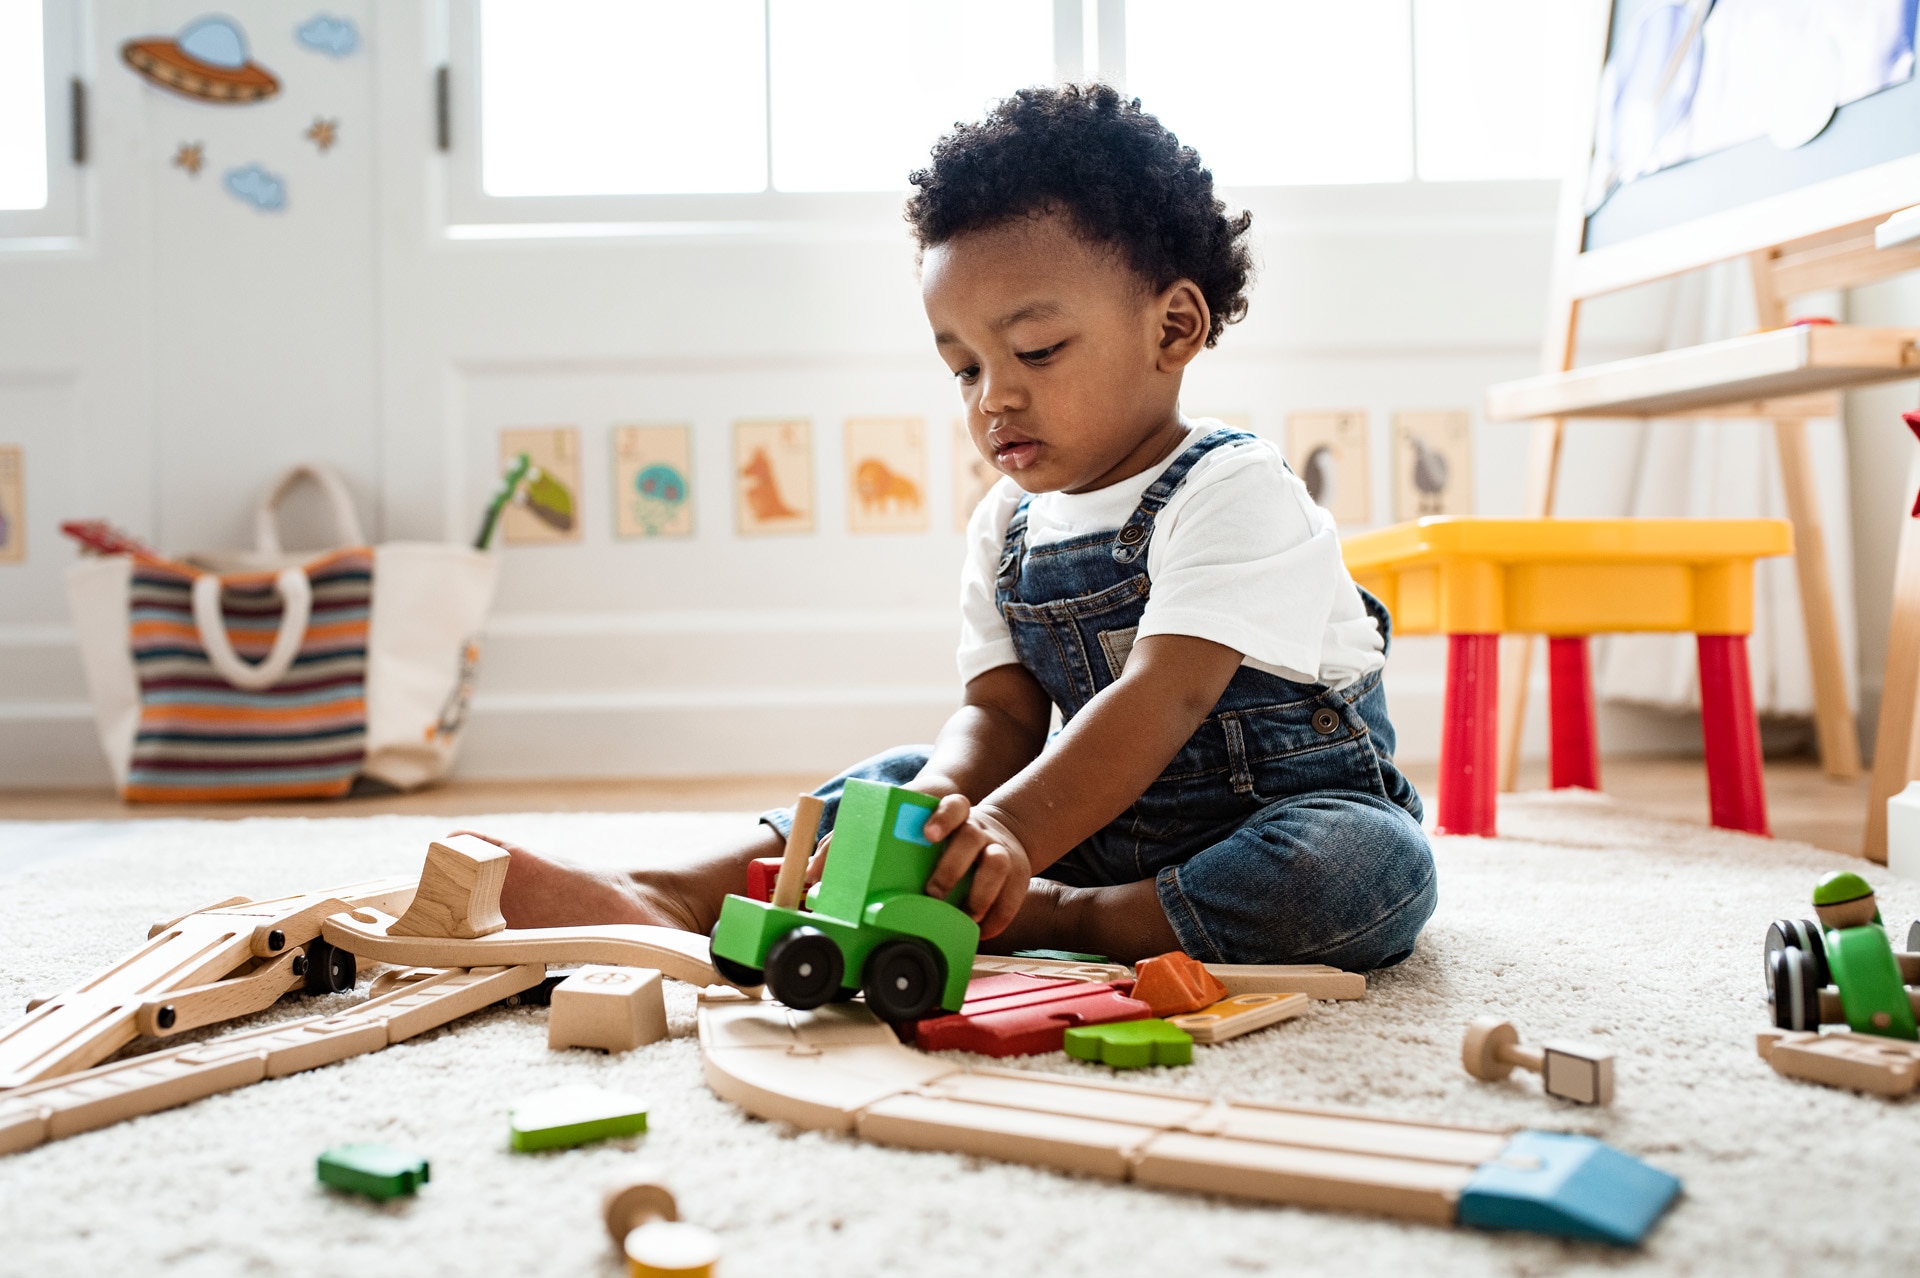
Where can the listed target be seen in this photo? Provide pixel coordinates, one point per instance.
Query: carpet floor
(1584, 921)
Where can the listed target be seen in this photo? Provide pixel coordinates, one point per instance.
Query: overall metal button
(1325, 722)
(1131, 533)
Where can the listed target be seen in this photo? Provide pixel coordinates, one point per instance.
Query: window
(39, 190)
(758, 111)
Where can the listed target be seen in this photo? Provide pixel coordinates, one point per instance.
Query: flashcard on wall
(773, 476)
(13, 506)
(1329, 453)
(653, 481)
(547, 508)
(886, 474)
(1432, 464)
(208, 62)
(973, 476)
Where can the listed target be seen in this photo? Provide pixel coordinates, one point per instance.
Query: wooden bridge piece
(98, 1017)
(459, 892)
(681, 955)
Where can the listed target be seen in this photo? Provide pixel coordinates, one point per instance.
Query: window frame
(59, 223)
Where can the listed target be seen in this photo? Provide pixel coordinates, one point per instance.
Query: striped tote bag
(278, 680)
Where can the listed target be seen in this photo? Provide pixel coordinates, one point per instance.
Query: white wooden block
(613, 1008)
(1903, 832)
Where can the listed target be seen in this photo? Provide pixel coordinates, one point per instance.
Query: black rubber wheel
(903, 980)
(330, 969)
(1913, 936)
(739, 973)
(1796, 994)
(1796, 934)
(804, 968)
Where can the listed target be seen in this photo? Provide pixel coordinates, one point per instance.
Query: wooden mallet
(1492, 1048)
(646, 1227)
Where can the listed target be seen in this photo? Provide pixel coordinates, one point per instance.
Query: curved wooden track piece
(681, 955)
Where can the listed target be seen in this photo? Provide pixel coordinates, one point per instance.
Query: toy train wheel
(804, 968)
(330, 969)
(903, 980)
(1796, 992)
(738, 973)
(1913, 936)
(1796, 934)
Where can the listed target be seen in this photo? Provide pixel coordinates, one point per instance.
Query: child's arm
(1103, 760)
(1000, 729)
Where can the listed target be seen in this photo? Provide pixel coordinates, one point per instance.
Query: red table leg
(1573, 755)
(1470, 736)
(1736, 791)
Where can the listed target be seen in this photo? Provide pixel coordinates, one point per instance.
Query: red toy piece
(761, 874)
(1172, 984)
(1014, 1014)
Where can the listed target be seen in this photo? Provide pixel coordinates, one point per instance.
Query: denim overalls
(1281, 832)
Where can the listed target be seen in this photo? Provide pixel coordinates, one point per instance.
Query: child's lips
(1017, 454)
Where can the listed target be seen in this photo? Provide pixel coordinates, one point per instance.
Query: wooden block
(1863, 1062)
(459, 894)
(1174, 983)
(613, 1008)
(682, 956)
(762, 873)
(1131, 1044)
(1315, 980)
(1240, 1014)
(1577, 1073)
(1013, 1014)
(378, 1171)
(1092, 973)
(575, 1115)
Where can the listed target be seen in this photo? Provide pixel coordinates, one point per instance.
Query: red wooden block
(761, 873)
(1173, 984)
(1015, 1014)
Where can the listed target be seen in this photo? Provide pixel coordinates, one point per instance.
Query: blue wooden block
(1569, 1186)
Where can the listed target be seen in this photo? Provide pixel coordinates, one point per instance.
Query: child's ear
(1182, 315)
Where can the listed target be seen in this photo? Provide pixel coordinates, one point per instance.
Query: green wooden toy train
(868, 927)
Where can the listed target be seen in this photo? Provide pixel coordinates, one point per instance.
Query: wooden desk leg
(1736, 790)
(1894, 754)
(1470, 736)
(1573, 750)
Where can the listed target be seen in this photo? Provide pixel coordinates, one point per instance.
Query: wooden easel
(1803, 240)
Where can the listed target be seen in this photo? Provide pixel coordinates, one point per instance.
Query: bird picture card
(773, 476)
(973, 476)
(653, 481)
(1432, 464)
(886, 474)
(1328, 450)
(13, 506)
(546, 508)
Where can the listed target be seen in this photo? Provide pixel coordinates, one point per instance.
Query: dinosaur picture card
(653, 481)
(973, 476)
(1328, 450)
(13, 506)
(546, 508)
(773, 476)
(886, 474)
(1432, 464)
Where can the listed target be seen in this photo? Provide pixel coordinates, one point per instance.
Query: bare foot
(540, 892)
(1125, 922)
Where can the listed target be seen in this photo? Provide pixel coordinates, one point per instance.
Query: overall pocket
(1320, 743)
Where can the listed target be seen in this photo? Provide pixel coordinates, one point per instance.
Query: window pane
(622, 97)
(1497, 87)
(862, 88)
(1274, 92)
(23, 107)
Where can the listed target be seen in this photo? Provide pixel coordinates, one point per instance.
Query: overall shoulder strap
(1131, 541)
(1015, 543)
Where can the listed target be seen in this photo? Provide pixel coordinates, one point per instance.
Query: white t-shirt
(1240, 555)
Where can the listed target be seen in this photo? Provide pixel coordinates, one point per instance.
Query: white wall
(164, 371)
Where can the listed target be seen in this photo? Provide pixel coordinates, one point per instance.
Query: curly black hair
(1116, 170)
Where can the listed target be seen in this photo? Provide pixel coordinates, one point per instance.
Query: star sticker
(323, 133)
(190, 157)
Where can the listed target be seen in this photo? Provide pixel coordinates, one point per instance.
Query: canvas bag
(258, 674)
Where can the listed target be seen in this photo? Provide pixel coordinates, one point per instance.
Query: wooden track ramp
(681, 955)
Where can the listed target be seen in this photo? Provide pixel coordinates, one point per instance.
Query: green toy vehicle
(1849, 949)
(868, 926)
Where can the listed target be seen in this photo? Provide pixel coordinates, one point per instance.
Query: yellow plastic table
(1474, 580)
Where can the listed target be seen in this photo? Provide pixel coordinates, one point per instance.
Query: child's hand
(977, 841)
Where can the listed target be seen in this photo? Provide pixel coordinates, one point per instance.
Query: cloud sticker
(257, 187)
(324, 33)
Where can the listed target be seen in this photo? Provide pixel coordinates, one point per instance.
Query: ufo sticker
(207, 62)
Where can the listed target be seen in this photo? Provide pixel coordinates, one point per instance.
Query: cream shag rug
(1584, 921)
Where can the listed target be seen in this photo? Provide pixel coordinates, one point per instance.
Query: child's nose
(1001, 392)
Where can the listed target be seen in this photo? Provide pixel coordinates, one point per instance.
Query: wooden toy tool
(645, 1225)
(1492, 1049)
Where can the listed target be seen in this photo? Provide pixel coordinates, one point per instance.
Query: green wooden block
(1131, 1044)
(568, 1116)
(1063, 956)
(378, 1171)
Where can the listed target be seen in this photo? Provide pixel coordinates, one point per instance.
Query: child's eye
(1040, 356)
(968, 373)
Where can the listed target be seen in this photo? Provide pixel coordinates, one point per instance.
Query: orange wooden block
(1173, 983)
